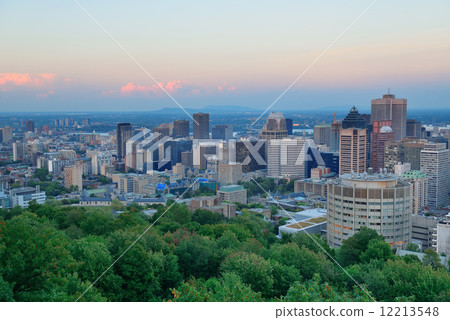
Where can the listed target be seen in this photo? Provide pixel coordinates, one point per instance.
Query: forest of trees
(54, 253)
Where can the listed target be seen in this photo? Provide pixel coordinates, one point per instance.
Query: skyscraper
(222, 131)
(389, 108)
(181, 128)
(124, 133)
(322, 134)
(413, 128)
(353, 143)
(394, 152)
(434, 162)
(201, 125)
(334, 136)
(287, 158)
(275, 127)
(29, 126)
(354, 120)
(381, 133)
(289, 126)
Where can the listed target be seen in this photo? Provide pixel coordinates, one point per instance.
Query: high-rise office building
(381, 133)
(201, 125)
(29, 126)
(353, 150)
(252, 154)
(413, 128)
(389, 108)
(376, 201)
(334, 136)
(434, 161)
(181, 129)
(287, 158)
(275, 127)
(289, 126)
(222, 132)
(322, 134)
(413, 148)
(419, 182)
(354, 120)
(394, 153)
(123, 133)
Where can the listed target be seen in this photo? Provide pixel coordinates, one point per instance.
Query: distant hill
(209, 109)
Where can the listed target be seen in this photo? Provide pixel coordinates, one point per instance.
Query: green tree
(377, 250)
(207, 217)
(431, 258)
(412, 247)
(352, 248)
(252, 269)
(315, 291)
(196, 257)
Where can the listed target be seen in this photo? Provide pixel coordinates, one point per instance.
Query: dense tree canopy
(54, 253)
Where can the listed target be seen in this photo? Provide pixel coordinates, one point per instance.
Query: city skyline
(56, 59)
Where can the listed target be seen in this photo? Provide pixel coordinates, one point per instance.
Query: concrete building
(353, 150)
(434, 162)
(73, 176)
(381, 202)
(275, 127)
(317, 187)
(394, 153)
(181, 129)
(22, 196)
(201, 125)
(424, 230)
(419, 182)
(443, 237)
(401, 168)
(322, 134)
(287, 158)
(413, 128)
(229, 173)
(232, 193)
(334, 136)
(389, 108)
(381, 133)
(222, 132)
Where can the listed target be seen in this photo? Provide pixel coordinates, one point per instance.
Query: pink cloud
(11, 80)
(130, 87)
(226, 87)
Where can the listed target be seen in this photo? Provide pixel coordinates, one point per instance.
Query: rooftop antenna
(389, 90)
(334, 117)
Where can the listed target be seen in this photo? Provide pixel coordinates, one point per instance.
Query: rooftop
(231, 188)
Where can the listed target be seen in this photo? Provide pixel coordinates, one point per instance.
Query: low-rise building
(232, 193)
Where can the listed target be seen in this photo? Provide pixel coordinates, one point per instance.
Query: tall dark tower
(201, 125)
(181, 129)
(124, 133)
(289, 126)
(29, 126)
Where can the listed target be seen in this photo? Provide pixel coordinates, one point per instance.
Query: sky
(53, 57)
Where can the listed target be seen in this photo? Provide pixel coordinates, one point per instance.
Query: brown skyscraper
(381, 133)
(389, 108)
(201, 125)
(275, 127)
(181, 128)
